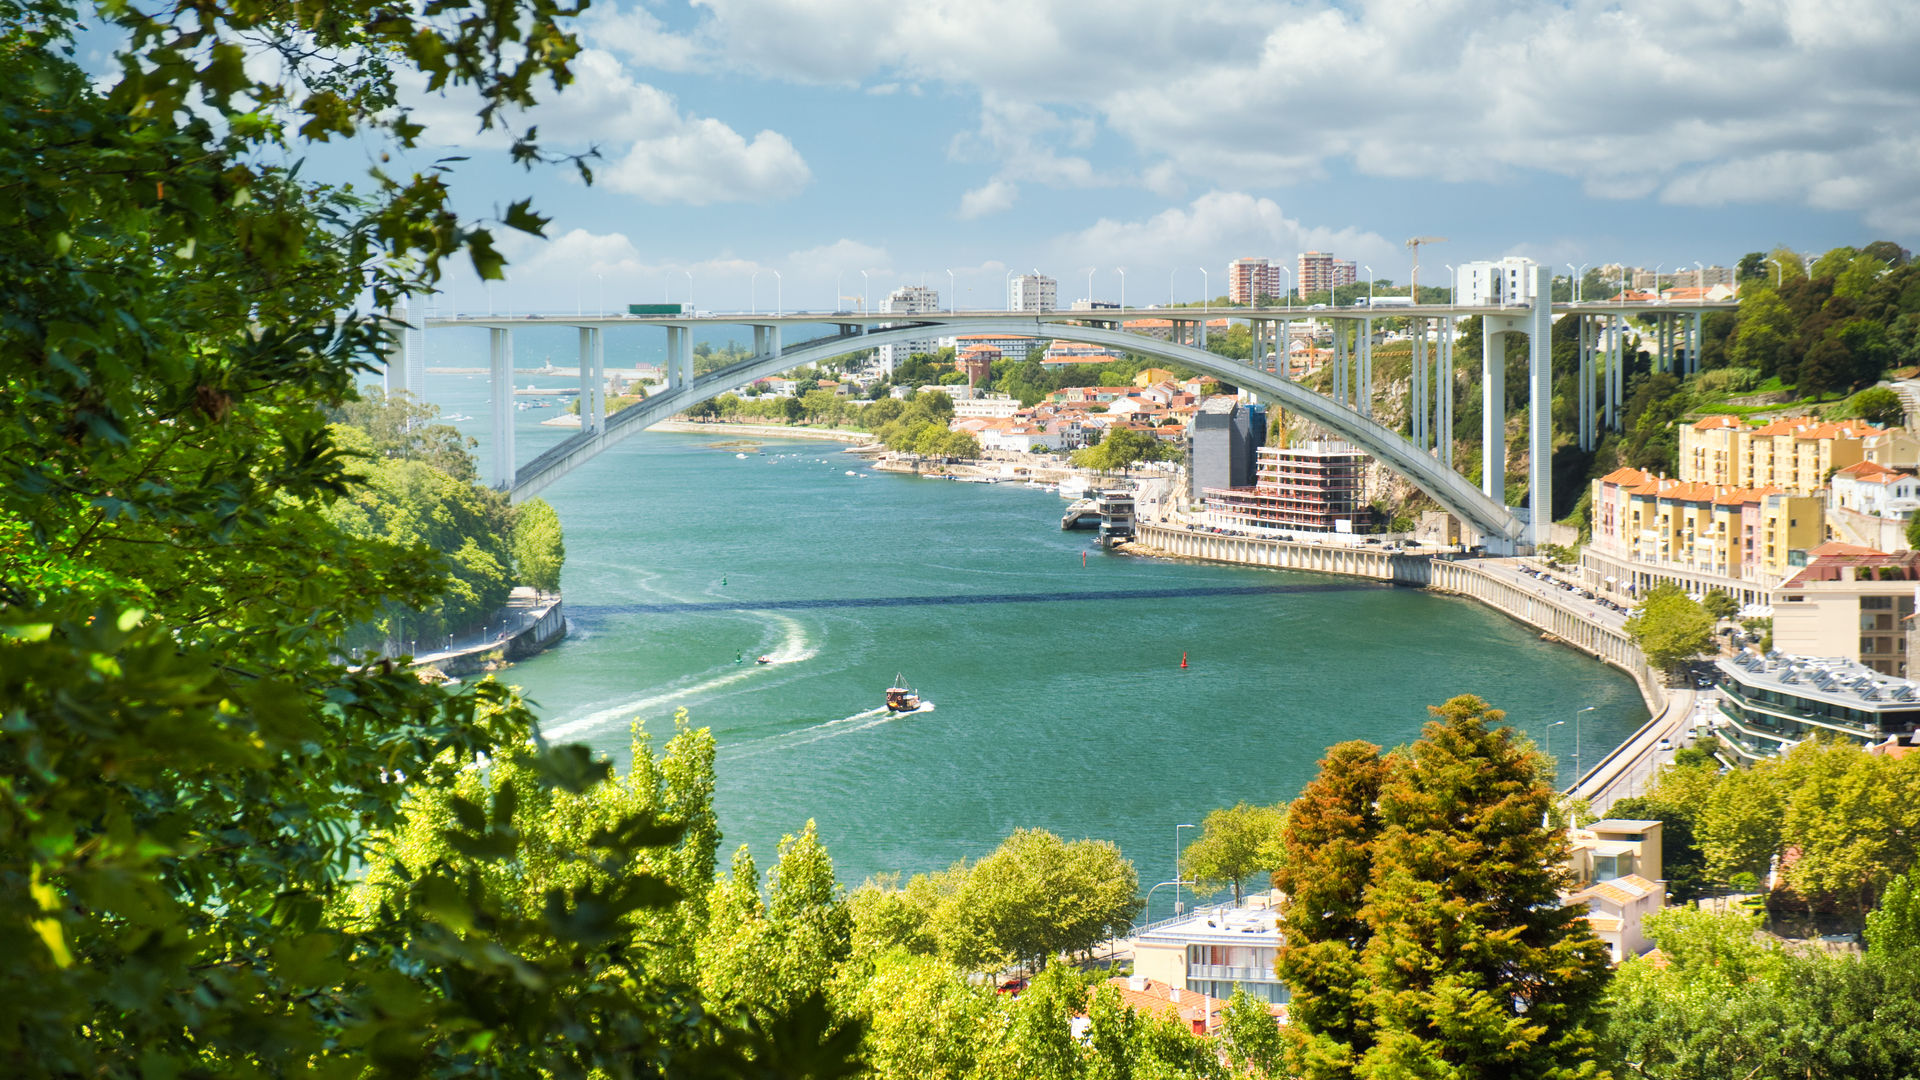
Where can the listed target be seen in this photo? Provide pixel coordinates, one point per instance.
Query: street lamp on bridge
(1369, 271)
(753, 294)
(1122, 271)
(866, 294)
(1206, 292)
(779, 293)
(950, 292)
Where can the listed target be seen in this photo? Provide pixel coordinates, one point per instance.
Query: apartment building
(1617, 868)
(1319, 271)
(1648, 530)
(1770, 703)
(1314, 487)
(1215, 948)
(1508, 281)
(1849, 601)
(1796, 454)
(909, 300)
(1032, 292)
(1250, 279)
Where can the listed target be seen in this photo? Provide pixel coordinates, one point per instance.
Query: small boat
(764, 660)
(901, 697)
(742, 457)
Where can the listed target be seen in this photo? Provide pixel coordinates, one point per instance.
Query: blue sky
(820, 138)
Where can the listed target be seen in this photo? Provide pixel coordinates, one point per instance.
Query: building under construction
(1318, 486)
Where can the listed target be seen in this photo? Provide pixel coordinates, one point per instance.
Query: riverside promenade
(528, 624)
(1496, 583)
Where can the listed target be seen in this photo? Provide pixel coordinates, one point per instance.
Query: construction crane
(1414, 246)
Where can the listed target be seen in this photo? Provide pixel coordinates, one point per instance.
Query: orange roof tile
(1833, 548)
(1625, 475)
(1713, 423)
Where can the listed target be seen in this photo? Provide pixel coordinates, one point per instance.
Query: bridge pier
(500, 381)
(1493, 407)
(1540, 407)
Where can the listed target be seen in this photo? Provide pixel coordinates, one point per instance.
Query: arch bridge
(1424, 457)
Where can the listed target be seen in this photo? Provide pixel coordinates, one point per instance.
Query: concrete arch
(1448, 488)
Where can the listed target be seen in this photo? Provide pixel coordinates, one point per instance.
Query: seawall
(764, 431)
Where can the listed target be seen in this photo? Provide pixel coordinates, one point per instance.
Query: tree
(1670, 627)
(197, 762)
(1719, 604)
(539, 549)
(1234, 844)
(1473, 965)
(1329, 840)
(1878, 405)
(1037, 896)
(1254, 1046)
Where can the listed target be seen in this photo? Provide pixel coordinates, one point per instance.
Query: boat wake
(584, 725)
(831, 729)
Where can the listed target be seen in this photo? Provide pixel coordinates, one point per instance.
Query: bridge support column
(1417, 339)
(1493, 409)
(599, 379)
(1364, 393)
(500, 379)
(1699, 343)
(1443, 388)
(1540, 407)
(1339, 362)
(1616, 377)
(586, 378)
(1584, 376)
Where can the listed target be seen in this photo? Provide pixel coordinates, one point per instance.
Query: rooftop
(1219, 925)
(1834, 680)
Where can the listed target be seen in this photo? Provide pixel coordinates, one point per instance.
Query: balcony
(1229, 973)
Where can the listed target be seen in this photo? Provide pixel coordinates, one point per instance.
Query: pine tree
(1474, 969)
(1329, 838)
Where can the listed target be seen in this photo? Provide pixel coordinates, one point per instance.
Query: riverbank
(765, 431)
(527, 626)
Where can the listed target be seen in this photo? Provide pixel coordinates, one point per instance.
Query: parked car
(1663, 745)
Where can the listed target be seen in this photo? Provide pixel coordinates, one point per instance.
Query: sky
(822, 138)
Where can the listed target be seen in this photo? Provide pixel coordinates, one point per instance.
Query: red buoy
(1183, 660)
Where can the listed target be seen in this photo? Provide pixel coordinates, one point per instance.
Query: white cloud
(1807, 101)
(1162, 250)
(649, 147)
(990, 198)
(705, 161)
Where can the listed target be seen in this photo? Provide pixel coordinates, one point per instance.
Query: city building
(1314, 487)
(1096, 305)
(1078, 352)
(1616, 866)
(984, 405)
(909, 300)
(1319, 271)
(1769, 703)
(1032, 292)
(1649, 530)
(1250, 279)
(1867, 488)
(1796, 454)
(1215, 948)
(1012, 348)
(1223, 438)
(1508, 281)
(976, 363)
(1849, 601)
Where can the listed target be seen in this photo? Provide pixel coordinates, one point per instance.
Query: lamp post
(1010, 274)
(866, 294)
(1289, 274)
(1656, 280)
(779, 293)
(1177, 908)
(1453, 285)
(950, 293)
(1369, 271)
(1171, 274)
(1700, 278)
(1555, 760)
(753, 294)
(1089, 288)
(1206, 292)
(1578, 772)
(691, 310)
(1574, 282)
(1776, 272)
(603, 294)
(1122, 271)
(839, 288)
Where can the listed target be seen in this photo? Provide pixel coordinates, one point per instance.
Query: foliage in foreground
(1670, 627)
(1723, 1000)
(1425, 935)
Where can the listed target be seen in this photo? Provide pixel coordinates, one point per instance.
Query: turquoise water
(1058, 697)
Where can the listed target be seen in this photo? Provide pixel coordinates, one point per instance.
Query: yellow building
(1154, 375)
(1796, 454)
(1790, 526)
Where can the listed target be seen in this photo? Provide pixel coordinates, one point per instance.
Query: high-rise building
(909, 300)
(1321, 272)
(1250, 279)
(1509, 281)
(1032, 292)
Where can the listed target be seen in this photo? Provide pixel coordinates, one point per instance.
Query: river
(1058, 697)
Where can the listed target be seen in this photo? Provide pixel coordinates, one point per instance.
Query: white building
(1019, 438)
(1876, 490)
(1032, 292)
(1509, 281)
(909, 300)
(985, 406)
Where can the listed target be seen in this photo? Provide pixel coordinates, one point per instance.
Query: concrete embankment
(1561, 620)
(533, 624)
